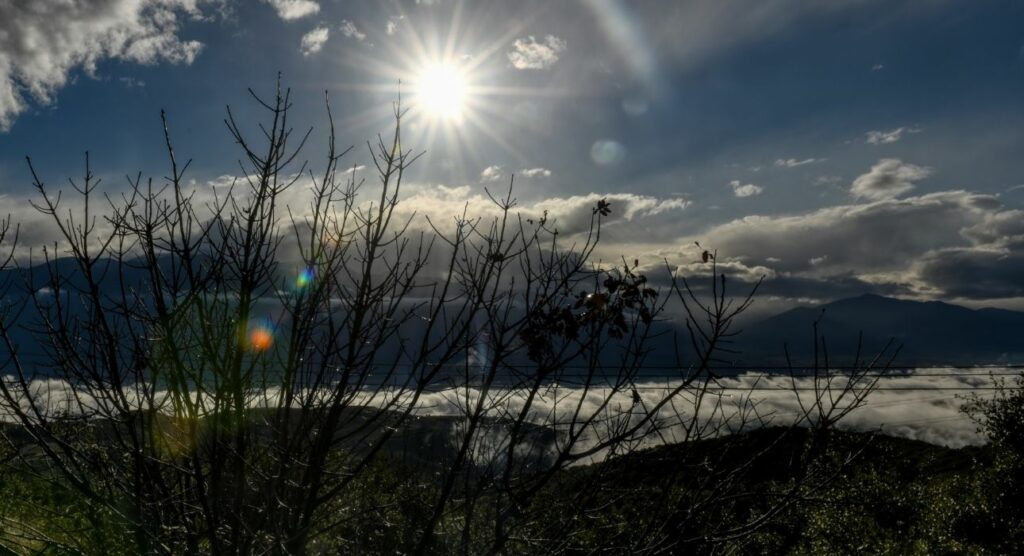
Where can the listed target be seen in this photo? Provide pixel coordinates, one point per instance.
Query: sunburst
(453, 81)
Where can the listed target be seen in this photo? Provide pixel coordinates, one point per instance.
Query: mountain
(930, 333)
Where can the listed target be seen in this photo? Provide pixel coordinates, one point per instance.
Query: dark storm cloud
(974, 273)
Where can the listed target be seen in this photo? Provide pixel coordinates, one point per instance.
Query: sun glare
(460, 98)
(441, 91)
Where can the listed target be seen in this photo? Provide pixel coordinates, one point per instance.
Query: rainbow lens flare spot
(305, 278)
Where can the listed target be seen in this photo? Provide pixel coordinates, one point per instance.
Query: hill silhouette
(931, 333)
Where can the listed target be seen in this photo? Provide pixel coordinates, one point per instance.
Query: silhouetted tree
(168, 399)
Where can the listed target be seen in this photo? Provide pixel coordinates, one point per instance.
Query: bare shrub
(424, 389)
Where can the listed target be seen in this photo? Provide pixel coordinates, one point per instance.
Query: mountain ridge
(929, 332)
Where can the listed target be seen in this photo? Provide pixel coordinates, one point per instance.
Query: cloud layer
(921, 405)
(948, 244)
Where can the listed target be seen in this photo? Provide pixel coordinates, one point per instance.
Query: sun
(441, 91)
(449, 83)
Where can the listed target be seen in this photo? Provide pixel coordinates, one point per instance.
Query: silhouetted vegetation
(157, 405)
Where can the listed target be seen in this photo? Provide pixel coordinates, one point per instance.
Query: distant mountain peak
(931, 332)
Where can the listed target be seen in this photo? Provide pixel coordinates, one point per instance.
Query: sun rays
(457, 91)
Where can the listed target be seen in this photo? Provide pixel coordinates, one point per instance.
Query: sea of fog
(922, 404)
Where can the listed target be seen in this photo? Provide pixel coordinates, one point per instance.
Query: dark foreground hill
(931, 333)
(897, 496)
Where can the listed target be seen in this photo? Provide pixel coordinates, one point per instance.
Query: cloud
(491, 173)
(392, 27)
(828, 180)
(41, 43)
(885, 137)
(793, 163)
(973, 272)
(991, 267)
(735, 269)
(313, 41)
(289, 10)
(349, 30)
(535, 172)
(529, 53)
(954, 245)
(883, 235)
(890, 177)
(570, 215)
(950, 244)
(747, 190)
(576, 210)
(920, 405)
(998, 229)
(666, 205)
(878, 67)
(131, 82)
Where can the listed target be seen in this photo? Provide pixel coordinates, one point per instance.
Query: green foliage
(379, 514)
(998, 515)
(38, 515)
(899, 497)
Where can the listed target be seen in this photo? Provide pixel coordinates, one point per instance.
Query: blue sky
(835, 147)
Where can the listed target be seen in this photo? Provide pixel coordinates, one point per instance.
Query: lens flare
(261, 338)
(607, 152)
(305, 278)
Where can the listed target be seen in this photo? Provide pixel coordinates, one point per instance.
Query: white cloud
(891, 136)
(535, 172)
(890, 177)
(350, 30)
(313, 41)
(41, 43)
(529, 53)
(571, 215)
(392, 27)
(879, 236)
(491, 173)
(745, 190)
(878, 67)
(666, 205)
(793, 163)
(920, 405)
(294, 9)
(131, 82)
(693, 266)
(948, 245)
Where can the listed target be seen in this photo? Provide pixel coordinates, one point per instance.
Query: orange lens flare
(261, 339)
